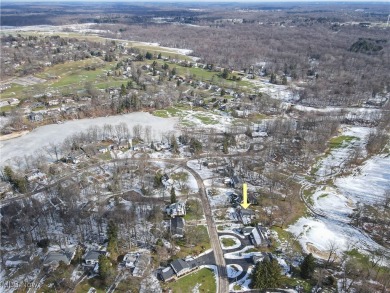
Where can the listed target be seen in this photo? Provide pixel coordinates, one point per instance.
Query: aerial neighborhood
(195, 147)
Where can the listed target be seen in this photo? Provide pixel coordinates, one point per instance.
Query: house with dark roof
(18, 260)
(180, 267)
(53, 258)
(177, 268)
(166, 274)
(91, 258)
(177, 227)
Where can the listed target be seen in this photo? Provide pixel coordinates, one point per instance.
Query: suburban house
(236, 182)
(245, 215)
(35, 117)
(18, 260)
(91, 258)
(177, 209)
(177, 227)
(53, 258)
(257, 235)
(246, 231)
(180, 267)
(177, 268)
(141, 265)
(235, 200)
(129, 260)
(167, 274)
(137, 263)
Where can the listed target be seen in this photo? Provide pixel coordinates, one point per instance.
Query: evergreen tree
(173, 195)
(148, 55)
(196, 145)
(266, 274)
(307, 267)
(106, 271)
(112, 235)
(225, 146)
(174, 145)
(225, 73)
(18, 183)
(273, 78)
(123, 90)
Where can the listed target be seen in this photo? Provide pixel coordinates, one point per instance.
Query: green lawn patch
(228, 242)
(341, 141)
(293, 282)
(203, 279)
(194, 210)
(206, 119)
(161, 113)
(196, 241)
(85, 285)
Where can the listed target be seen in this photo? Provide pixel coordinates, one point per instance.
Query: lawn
(341, 141)
(228, 242)
(203, 280)
(206, 119)
(194, 210)
(200, 239)
(85, 285)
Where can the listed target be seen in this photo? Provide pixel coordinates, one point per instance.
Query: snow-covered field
(233, 270)
(367, 184)
(56, 133)
(335, 160)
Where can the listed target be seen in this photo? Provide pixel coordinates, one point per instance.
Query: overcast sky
(189, 1)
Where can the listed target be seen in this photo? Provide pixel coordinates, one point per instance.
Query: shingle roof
(179, 265)
(166, 273)
(93, 254)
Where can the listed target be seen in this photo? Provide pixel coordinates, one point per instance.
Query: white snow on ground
(332, 203)
(321, 233)
(196, 288)
(369, 186)
(332, 163)
(244, 282)
(285, 267)
(150, 284)
(220, 199)
(234, 270)
(242, 253)
(56, 133)
(237, 243)
(279, 92)
(203, 171)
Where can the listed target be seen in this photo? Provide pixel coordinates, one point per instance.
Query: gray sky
(189, 1)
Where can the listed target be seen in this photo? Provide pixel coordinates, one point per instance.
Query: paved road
(223, 283)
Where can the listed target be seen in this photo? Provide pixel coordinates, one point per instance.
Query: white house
(177, 209)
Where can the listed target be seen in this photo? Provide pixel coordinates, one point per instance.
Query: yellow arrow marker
(245, 203)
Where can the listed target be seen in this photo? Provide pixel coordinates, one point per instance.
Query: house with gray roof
(91, 258)
(180, 267)
(177, 227)
(53, 258)
(166, 274)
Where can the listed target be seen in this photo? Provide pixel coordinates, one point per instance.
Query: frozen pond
(56, 133)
